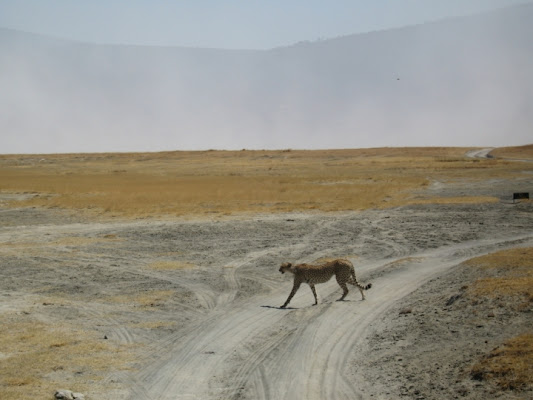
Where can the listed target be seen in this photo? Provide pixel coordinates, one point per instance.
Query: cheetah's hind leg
(344, 290)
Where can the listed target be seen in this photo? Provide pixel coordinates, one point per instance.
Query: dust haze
(458, 82)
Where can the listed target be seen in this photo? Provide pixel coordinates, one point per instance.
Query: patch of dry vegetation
(152, 324)
(518, 152)
(510, 365)
(67, 246)
(225, 182)
(510, 275)
(457, 200)
(37, 358)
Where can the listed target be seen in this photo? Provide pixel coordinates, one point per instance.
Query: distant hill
(461, 81)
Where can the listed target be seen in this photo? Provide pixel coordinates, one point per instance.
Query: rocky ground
(435, 336)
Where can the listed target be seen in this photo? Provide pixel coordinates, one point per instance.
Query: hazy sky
(230, 24)
(463, 83)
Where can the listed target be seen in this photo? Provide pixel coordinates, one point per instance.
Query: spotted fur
(313, 274)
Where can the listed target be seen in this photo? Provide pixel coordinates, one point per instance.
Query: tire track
(307, 351)
(242, 347)
(251, 365)
(328, 375)
(196, 359)
(237, 327)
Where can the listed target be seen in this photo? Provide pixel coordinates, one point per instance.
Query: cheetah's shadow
(325, 302)
(279, 308)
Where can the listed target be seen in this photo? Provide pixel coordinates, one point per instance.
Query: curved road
(480, 153)
(254, 350)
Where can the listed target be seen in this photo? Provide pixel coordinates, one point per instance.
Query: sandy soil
(211, 327)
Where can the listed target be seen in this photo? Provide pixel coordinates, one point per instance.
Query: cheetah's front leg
(295, 288)
(314, 293)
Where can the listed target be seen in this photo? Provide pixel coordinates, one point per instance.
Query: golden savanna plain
(228, 182)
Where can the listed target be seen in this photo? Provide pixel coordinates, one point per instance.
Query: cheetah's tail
(355, 282)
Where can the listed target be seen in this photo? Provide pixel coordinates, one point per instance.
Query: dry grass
(68, 246)
(152, 324)
(457, 200)
(37, 358)
(519, 152)
(225, 182)
(510, 274)
(510, 365)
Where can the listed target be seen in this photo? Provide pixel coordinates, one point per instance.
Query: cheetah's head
(284, 267)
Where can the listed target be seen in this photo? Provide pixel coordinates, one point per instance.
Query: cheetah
(313, 274)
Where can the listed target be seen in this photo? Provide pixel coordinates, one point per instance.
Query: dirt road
(480, 153)
(201, 298)
(251, 350)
